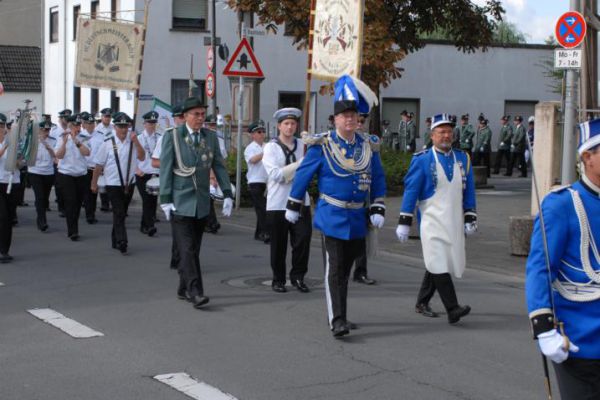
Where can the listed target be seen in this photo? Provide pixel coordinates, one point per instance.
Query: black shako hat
(341, 106)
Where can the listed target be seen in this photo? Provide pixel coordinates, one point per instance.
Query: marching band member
(41, 174)
(72, 172)
(188, 154)
(106, 129)
(93, 140)
(257, 179)
(57, 133)
(117, 159)
(8, 201)
(145, 171)
(281, 158)
(566, 293)
(440, 181)
(351, 185)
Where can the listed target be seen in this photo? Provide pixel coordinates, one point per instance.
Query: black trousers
(119, 201)
(42, 185)
(20, 189)
(445, 287)
(174, 251)
(60, 201)
(149, 201)
(501, 155)
(73, 189)
(517, 159)
(8, 211)
(91, 198)
(483, 159)
(300, 234)
(360, 267)
(259, 201)
(211, 220)
(187, 234)
(578, 379)
(339, 255)
(104, 202)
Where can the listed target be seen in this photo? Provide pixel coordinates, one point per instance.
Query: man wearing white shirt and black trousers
(145, 171)
(8, 200)
(72, 172)
(41, 174)
(93, 140)
(257, 179)
(282, 156)
(106, 129)
(117, 159)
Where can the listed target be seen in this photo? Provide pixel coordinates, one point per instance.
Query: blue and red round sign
(570, 29)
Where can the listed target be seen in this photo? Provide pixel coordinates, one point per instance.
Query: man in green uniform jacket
(466, 135)
(484, 146)
(517, 148)
(188, 154)
(504, 142)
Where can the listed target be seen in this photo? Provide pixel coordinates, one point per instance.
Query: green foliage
(508, 33)
(395, 165)
(230, 163)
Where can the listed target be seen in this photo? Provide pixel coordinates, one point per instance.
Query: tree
(392, 29)
(507, 33)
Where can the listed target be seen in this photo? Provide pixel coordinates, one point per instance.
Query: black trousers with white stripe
(339, 255)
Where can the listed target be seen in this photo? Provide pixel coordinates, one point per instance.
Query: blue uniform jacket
(340, 223)
(421, 180)
(581, 319)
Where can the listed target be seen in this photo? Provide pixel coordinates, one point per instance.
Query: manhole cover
(264, 282)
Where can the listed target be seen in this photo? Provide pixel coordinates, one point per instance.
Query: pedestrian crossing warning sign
(243, 62)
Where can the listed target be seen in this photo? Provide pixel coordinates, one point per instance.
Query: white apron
(442, 224)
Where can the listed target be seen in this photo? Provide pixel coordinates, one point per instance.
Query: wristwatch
(78, 144)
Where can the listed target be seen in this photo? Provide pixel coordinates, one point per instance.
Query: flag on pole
(165, 119)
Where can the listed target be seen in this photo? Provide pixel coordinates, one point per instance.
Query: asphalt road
(249, 341)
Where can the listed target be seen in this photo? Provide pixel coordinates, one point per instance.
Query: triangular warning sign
(243, 62)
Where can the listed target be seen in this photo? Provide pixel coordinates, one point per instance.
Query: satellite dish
(223, 52)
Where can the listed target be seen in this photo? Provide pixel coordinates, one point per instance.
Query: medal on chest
(364, 182)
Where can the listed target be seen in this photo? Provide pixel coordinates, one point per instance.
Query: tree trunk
(375, 118)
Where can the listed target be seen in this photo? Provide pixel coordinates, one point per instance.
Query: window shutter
(190, 9)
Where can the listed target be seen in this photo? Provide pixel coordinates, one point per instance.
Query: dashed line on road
(187, 385)
(1, 284)
(67, 325)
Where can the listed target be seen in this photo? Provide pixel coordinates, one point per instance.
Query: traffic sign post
(243, 62)
(210, 85)
(570, 29)
(567, 59)
(210, 59)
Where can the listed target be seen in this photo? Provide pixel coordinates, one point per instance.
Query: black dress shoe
(144, 230)
(267, 239)
(351, 325)
(43, 227)
(74, 237)
(198, 301)
(122, 246)
(364, 280)
(278, 287)
(61, 214)
(92, 221)
(151, 231)
(340, 328)
(5, 258)
(425, 310)
(301, 286)
(105, 209)
(457, 313)
(182, 293)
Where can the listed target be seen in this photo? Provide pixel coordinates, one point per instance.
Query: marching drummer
(115, 159)
(105, 128)
(145, 171)
(41, 174)
(93, 141)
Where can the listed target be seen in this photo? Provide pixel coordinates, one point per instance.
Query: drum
(217, 194)
(153, 185)
(101, 184)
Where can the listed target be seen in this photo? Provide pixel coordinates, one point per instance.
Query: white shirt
(4, 174)
(73, 163)
(106, 131)
(149, 144)
(56, 132)
(106, 158)
(94, 145)
(277, 190)
(158, 148)
(44, 162)
(256, 172)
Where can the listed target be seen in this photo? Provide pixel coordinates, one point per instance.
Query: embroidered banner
(338, 37)
(108, 54)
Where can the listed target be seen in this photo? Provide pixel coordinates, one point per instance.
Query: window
(54, 25)
(94, 8)
(94, 100)
(76, 99)
(76, 11)
(190, 14)
(115, 101)
(180, 90)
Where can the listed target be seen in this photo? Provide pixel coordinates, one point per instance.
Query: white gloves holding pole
(555, 346)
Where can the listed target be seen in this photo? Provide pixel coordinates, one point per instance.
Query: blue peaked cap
(589, 135)
(348, 88)
(440, 119)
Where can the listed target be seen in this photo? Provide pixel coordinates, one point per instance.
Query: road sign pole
(238, 168)
(213, 38)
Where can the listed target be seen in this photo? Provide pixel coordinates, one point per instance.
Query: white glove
(470, 228)
(292, 216)
(227, 207)
(377, 220)
(167, 209)
(512, 146)
(482, 149)
(407, 147)
(552, 346)
(501, 143)
(402, 233)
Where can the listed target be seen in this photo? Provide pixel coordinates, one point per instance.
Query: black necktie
(196, 141)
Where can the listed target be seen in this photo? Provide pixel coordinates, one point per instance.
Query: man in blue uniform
(351, 185)
(571, 222)
(440, 181)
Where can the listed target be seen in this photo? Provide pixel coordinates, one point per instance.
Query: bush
(230, 163)
(395, 165)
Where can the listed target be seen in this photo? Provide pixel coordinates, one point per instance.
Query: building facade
(438, 78)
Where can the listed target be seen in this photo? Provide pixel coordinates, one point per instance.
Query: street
(250, 342)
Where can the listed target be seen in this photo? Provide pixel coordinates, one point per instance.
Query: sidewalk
(487, 250)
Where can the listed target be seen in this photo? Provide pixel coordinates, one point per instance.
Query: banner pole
(311, 32)
(190, 86)
(136, 99)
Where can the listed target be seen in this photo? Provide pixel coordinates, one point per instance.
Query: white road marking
(67, 325)
(187, 385)
(1, 284)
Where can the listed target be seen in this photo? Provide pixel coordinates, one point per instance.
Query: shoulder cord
(333, 153)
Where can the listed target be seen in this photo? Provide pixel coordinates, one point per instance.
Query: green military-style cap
(177, 111)
(192, 102)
